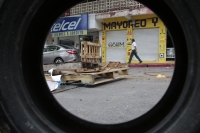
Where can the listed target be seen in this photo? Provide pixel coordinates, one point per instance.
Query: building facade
(114, 30)
(148, 31)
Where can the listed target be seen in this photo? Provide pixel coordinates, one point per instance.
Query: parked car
(58, 53)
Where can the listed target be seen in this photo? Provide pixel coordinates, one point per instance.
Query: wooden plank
(105, 65)
(81, 70)
(85, 49)
(90, 56)
(117, 64)
(109, 75)
(67, 72)
(93, 54)
(47, 77)
(97, 69)
(108, 80)
(89, 71)
(81, 49)
(93, 44)
(107, 71)
(121, 65)
(90, 51)
(123, 72)
(82, 78)
(113, 64)
(97, 51)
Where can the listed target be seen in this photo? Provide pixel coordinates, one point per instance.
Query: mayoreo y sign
(70, 26)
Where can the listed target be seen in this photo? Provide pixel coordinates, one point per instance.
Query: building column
(103, 49)
(56, 40)
(49, 39)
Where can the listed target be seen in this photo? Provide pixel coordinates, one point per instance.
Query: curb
(151, 65)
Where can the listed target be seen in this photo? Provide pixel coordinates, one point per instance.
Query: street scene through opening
(108, 61)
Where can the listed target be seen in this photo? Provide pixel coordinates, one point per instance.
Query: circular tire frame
(26, 104)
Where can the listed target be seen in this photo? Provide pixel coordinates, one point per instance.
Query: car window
(45, 50)
(58, 48)
(52, 48)
(67, 47)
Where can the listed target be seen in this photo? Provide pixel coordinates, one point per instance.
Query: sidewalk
(171, 64)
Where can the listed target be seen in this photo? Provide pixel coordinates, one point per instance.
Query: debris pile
(92, 71)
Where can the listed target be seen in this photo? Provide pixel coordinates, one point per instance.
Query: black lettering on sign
(129, 23)
(116, 44)
(119, 24)
(125, 24)
(113, 25)
(110, 44)
(106, 25)
(132, 25)
(143, 23)
(121, 44)
(137, 23)
(155, 21)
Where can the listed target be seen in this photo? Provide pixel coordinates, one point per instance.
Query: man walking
(134, 52)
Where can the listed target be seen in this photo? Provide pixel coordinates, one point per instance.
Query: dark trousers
(132, 54)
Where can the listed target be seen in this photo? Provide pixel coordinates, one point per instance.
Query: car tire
(26, 104)
(58, 61)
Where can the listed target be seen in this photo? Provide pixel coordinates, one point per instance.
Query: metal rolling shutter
(147, 41)
(116, 46)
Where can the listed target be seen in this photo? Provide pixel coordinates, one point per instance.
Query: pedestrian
(134, 52)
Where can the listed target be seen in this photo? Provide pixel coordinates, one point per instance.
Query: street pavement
(118, 101)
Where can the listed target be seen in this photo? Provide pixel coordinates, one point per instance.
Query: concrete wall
(49, 39)
(123, 13)
(93, 24)
(63, 66)
(56, 40)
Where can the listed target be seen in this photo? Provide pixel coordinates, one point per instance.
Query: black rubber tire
(27, 105)
(58, 59)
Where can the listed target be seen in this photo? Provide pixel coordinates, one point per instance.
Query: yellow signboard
(69, 33)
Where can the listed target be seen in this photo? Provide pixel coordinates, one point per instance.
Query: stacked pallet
(106, 72)
(90, 53)
(111, 65)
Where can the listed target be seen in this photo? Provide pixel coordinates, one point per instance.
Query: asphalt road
(118, 101)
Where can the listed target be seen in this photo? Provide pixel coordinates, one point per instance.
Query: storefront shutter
(147, 41)
(116, 46)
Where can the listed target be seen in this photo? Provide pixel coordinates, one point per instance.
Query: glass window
(52, 48)
(66, 46)
(58, 48)
(45, 50)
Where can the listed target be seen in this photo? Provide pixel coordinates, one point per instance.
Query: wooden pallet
(90, 52)
(96, 77)
(111, 65)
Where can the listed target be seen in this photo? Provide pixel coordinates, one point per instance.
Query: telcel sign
(70, 26)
